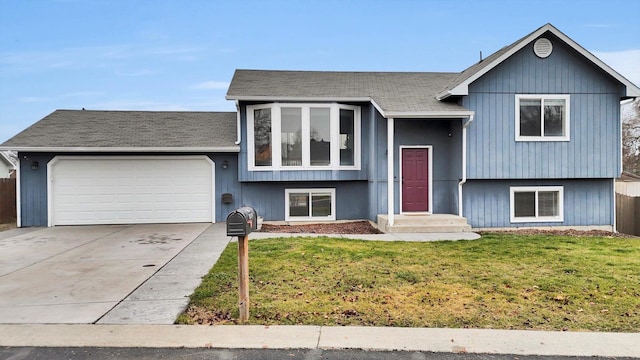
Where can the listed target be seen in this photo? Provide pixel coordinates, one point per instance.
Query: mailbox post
(241, 222)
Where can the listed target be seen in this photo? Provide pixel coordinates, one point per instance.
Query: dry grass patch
(502, 281)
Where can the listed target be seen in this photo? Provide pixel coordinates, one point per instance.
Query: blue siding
(586, 202)
(33, 189)
(33, 185)
(447, 160)
(226, 182)
(304, 175)
(268, 198)
(592, 152)
(446, 138)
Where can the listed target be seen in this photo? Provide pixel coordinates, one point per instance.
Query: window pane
(291, 131)
(530, 121)
(554, 117)
(321, 205)
(347, 139)
(320, 137)
(548, 203)
(299, 204)
(524, 203)
(262, 136)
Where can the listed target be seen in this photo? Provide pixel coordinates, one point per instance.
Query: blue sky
(181, 54)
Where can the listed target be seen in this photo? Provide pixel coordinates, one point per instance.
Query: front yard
(502, 281)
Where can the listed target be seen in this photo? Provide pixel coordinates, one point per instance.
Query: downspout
(464, 163)
(390, 181)
(238, 138)
(615, 207)
(18, 194)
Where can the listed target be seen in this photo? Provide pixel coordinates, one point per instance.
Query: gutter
(464, 162)
(134, 150)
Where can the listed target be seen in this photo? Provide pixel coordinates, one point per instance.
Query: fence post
(636, 215)
(7, 200)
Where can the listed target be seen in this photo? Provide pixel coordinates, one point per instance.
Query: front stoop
(424, 223)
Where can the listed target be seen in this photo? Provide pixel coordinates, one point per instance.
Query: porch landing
(423, 223)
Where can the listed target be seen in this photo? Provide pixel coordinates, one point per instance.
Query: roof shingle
(407, 92)
(129, 129)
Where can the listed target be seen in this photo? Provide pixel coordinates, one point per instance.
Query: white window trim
(330, 191)
(276, 156)
(536, 189)
(567, 125)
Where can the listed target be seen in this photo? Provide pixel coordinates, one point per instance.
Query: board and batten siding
(593, 150)
(445, 137)
(33, 189)
(587, 202)
(268, 198)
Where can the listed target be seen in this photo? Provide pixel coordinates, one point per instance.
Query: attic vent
(542, 47)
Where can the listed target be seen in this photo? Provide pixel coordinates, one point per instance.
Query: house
(7, 166)
(527, 137)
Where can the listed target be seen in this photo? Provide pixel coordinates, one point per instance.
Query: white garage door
(128, 190)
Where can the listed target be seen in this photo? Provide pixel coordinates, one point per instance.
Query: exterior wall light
(35, 165)
(225, 164)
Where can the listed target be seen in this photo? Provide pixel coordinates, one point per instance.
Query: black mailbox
(242, 221)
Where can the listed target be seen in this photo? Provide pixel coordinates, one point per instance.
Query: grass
(500, 281)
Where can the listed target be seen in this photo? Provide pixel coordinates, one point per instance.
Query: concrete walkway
(418, 237)
(165, 295)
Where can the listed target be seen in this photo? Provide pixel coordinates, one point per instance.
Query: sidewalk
(517, 342)
(144, 320)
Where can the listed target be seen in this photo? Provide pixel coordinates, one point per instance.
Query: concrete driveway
(78, 274)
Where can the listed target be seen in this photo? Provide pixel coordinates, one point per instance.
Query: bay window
(307, 137)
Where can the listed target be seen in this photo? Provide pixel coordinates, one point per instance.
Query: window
(542, 117)
(262, 131)
(537, 204)
(310, 137)
(291, 137)
(347, 119)
(310, 204)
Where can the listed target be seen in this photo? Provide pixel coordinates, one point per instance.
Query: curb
(517, 342)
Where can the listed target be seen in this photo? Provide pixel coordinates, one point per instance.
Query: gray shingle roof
(130, 129)
(394, 92)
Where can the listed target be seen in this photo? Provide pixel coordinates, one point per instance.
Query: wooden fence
(628, 214)
(7, 201)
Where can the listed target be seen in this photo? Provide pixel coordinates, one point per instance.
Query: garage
(84, 190)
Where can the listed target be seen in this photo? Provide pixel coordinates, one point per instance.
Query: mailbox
(242, 221)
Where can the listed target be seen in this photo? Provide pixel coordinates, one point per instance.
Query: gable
(563, 71)
(459, 86)
(496, 151)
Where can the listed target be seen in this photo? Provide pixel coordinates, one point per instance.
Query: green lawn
(501, 281)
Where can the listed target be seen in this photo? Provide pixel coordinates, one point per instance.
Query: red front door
(415, 179)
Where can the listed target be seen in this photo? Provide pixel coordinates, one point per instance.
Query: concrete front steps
(423, 223)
